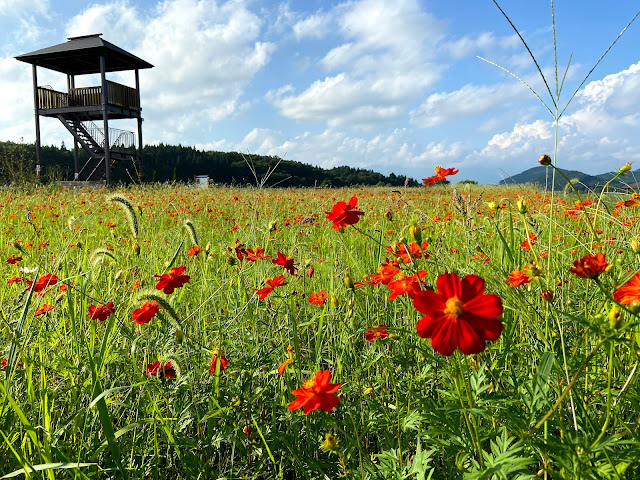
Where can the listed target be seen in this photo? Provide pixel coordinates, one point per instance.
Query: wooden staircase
(91, 138)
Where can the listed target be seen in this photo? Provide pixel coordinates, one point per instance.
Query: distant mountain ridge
(542, 176)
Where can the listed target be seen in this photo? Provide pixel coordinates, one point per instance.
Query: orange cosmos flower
(270, 283)
(290, 358)
(256, 254)
(377, 331)
(44, 309)
(101, 312)
(344, 214)
(634, 201)
(526, 245)
(589, 266)
(459, 315)
(316, 393)
(172, 280)
(384, 275)
(517, 278)
(628, 292)
(214, 361)
(14, 279)
(145, 313)
(441, 173)
(318, 298)
(193, 251)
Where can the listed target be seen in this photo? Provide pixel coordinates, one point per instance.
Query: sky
(387, 85)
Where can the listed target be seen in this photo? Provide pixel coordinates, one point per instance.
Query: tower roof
(81, 55)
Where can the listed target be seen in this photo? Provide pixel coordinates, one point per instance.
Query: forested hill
(175, 162)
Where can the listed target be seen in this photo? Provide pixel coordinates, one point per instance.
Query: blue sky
(394, 86)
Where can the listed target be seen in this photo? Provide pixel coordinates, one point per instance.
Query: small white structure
(201, 181)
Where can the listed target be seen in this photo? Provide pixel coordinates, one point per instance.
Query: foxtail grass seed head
(544, 160)
(129, 212)
(634, 306)
(522, 206)
(615, 316)
(191, 231)
(273, 226)
(330, 443)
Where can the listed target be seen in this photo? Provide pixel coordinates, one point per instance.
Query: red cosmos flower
(384, 275)
(193, 251)
(318, 298)
(526, 245)
(409, 285)
(214, 361)
(628, 292)
(172, 280)
(270, 283)
(156, 369)
(517, 278)
(145, 313)
(44, 309)
(101, 312)
(441, 173)
(14, 279)
(316, 393)
(43, 282)
(344, 214)
(377, 331)
(459, 315)
(409, 253)
(286, 262)
(13, 259)
(589, 266)
(3, 363)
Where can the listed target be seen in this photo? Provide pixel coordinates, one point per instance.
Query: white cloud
(204, 52)
(392, 152)
(466, 102)
(479, 43)
(314, 26)
(21, 8)
(384, 62)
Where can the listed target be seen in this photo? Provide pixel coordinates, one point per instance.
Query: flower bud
(334, 302)
(136, 248)
(544, 160)
(626, 168)
(348, 280)
(230, 260)
(492, 205)
(546, 295)
(522, 206)
(615, 316)
(415, 233)
(388, 215)
(635, 246)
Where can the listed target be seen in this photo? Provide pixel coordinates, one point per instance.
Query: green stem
(472, 427)
(608, 415)
(566, 391)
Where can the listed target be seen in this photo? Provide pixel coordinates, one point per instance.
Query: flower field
(428, 333)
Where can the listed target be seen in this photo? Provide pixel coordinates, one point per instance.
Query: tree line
(165, 163)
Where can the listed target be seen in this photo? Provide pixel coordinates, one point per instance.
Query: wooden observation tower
(79, 108)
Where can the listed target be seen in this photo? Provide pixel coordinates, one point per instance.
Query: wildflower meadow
(439, 332)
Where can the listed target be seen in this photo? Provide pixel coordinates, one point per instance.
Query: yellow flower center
(454, 307)
(309, 384)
